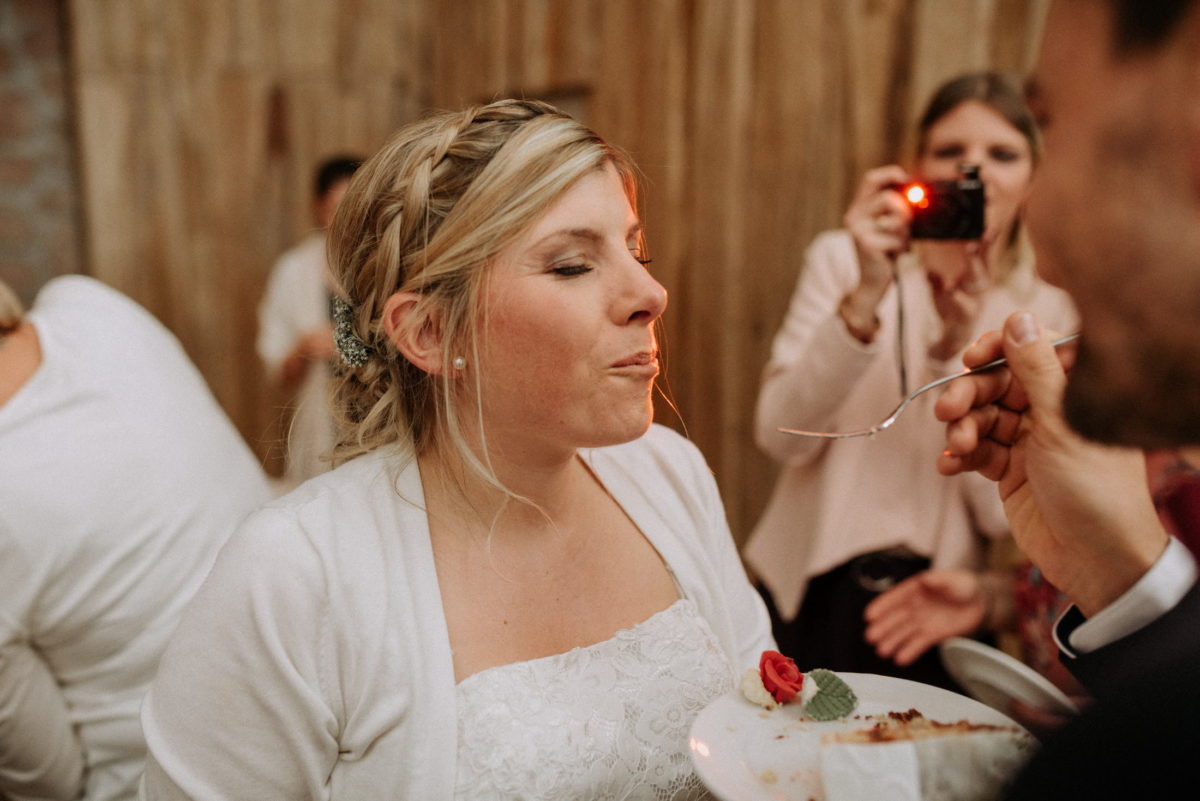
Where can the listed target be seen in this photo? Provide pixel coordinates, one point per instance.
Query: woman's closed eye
(571, 270)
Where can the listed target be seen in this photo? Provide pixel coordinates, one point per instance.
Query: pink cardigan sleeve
(815, 362)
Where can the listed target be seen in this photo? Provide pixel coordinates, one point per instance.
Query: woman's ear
(415, 330)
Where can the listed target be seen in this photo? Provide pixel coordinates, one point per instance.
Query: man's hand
(1081, 512)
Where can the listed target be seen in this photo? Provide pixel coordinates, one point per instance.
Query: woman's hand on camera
(878, 220)
(959, 278)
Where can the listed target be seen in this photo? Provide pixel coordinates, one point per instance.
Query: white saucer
(995, 678)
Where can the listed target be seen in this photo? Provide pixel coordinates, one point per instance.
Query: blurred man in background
(295, 333)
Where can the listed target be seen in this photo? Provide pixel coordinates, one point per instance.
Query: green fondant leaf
(834, 698)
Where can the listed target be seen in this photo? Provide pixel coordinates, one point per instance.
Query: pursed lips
(643, 359)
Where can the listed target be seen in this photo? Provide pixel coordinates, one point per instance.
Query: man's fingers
(964, 394)
(992, 422)
(989, 346)
(979, 443)
(989, 458)
(1034, 363)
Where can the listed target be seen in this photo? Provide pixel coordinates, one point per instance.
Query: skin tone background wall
(198, 123)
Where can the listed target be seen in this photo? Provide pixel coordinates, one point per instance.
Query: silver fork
(891, 418)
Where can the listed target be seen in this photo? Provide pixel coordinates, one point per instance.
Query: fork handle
(994, 363)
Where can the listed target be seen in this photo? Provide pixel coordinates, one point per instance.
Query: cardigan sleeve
(742, 605)
(752, 624)
(815, 362)
(241, 706)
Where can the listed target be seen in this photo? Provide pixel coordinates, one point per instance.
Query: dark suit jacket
(1141, 738)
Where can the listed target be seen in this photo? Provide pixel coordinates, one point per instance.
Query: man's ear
(415, 330)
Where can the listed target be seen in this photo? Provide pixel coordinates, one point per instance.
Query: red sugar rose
(780, 676)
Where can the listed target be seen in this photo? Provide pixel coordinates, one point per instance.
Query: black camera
(946, 209)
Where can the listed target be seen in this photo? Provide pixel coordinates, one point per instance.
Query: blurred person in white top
(121, 479)
(295, 332)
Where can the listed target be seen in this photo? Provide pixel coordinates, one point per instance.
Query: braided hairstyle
(427, 214)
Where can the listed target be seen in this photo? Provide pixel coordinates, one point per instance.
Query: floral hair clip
(354, 351)
(822, 693)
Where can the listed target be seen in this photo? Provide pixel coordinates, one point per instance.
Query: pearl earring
(459, 363)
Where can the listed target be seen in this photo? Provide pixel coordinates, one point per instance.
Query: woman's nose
(979, 160)
(647, 298)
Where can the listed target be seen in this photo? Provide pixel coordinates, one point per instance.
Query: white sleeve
(747, 610)
(277, 331)
(1155, 594)
(243, 704)
(40, 756)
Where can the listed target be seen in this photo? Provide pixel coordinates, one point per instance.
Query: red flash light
(915, 193)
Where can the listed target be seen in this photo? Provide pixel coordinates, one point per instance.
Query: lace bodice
(607, 721)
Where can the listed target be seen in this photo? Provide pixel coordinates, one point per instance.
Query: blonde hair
(427, 214)
(11, 310)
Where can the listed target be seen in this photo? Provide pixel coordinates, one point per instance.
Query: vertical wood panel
(200, 121)
(200, 126)
(711, 346)
(877, 48)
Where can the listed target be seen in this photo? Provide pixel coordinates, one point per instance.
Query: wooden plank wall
(200, 124)
(751, 119)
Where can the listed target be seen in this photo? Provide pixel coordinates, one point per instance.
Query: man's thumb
(1034, 362)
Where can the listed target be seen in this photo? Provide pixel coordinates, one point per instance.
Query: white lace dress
(609, 721)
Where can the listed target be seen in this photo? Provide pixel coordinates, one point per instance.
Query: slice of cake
(905, 756)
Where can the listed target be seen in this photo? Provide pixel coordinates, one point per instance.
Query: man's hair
(331, 171)
(1142, 25)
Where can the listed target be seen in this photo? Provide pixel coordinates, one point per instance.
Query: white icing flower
(808, 690)
(752, 688)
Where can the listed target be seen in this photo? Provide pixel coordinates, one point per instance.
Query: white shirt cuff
(1155, 594)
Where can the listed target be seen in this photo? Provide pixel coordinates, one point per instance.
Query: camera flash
(916, 196)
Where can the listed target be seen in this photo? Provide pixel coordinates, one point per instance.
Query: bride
(514, 584)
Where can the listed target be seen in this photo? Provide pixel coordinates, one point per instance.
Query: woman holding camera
(877, 313)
